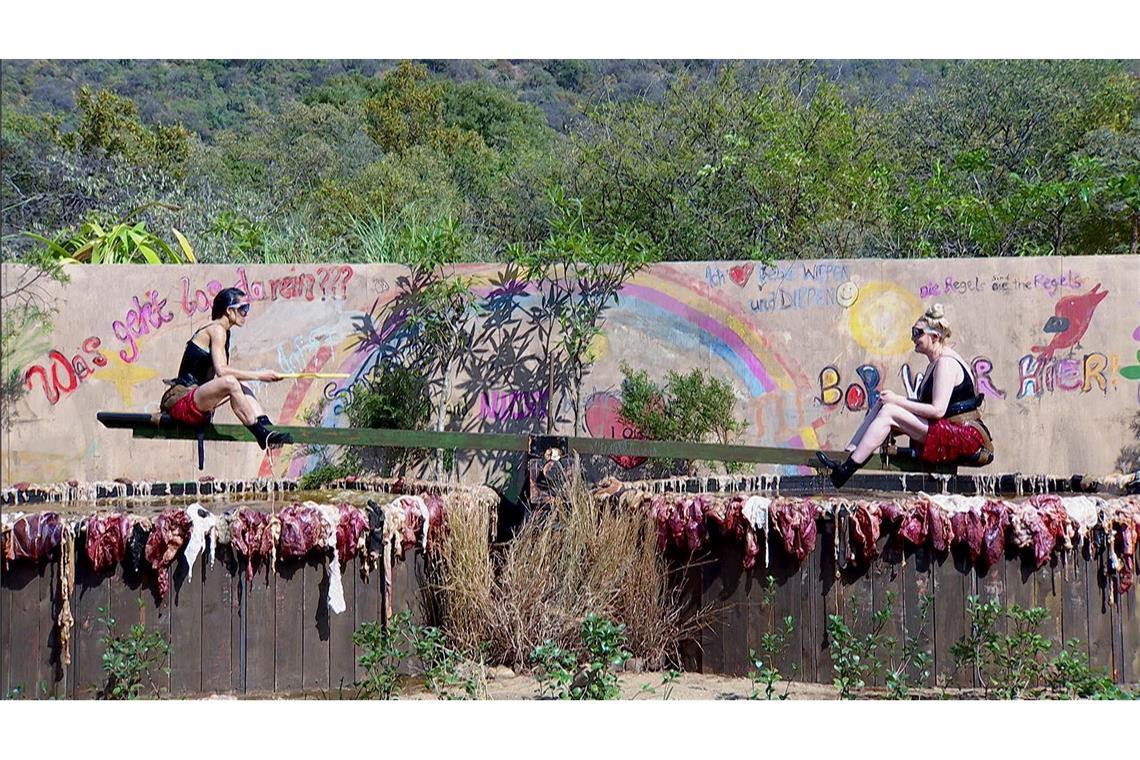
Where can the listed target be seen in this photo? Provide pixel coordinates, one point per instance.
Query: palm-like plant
(123, 242)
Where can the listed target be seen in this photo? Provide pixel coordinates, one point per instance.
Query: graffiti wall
(806, 345)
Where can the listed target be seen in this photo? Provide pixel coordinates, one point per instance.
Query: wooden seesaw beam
(145, 426)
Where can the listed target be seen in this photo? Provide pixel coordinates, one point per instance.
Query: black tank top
(962, 391)
(197, 365)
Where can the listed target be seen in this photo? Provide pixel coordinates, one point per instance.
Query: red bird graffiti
(1070, 320)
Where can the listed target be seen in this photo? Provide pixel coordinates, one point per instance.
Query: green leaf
(187, 251)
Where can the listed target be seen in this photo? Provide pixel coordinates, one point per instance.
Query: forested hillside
(281, 161)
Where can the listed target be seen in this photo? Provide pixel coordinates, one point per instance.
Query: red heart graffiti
(741, 273)
(604, 420)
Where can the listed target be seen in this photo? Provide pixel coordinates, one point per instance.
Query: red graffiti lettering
(856, 397)
(91, 346)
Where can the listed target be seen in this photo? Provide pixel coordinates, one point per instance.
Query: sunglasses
(918, 332)
(243, 309)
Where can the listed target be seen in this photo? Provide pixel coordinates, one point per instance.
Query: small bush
(1015, 665)
(130, 660)
(561, 674)
(445, 672)
(382, 651)
(395, 397)
(688, 408)
(324, 474)
(763, 670)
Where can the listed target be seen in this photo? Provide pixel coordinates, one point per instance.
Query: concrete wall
(1058, 366)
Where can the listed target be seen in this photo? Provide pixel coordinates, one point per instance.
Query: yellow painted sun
(598, 349)
(880, 319)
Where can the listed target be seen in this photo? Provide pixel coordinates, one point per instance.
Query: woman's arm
(944, 382)
(222, 368)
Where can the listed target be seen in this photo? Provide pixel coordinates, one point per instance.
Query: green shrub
(690, 407)
(382, 650)
(445, 672)
(395, 397)
(1014, 665)
(324, 474)
(129, 660)
(561, 675)
(763, 670)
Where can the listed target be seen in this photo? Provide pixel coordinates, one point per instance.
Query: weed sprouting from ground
(1015, 665)
(382, 650)
(131, 659)
(560, 674)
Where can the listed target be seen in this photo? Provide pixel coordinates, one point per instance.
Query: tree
(407, 109)
(726, 170)
(580, 273)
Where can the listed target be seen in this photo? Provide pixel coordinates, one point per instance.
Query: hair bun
(936, 311)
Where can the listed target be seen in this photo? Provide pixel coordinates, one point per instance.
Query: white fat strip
(956, 503)
(1082, 510)
(421, 505)
(394, 520)
(331, 517)
(755, 511)
(201, 528)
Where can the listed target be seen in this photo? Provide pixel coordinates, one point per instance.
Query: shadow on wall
(1129, 458)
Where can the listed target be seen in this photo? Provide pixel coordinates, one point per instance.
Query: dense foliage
(279, 161)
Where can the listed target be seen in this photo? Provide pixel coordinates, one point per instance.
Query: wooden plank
(22, 582)
(92, 592)
(260, 627)
(888, 569)
(342, 653)
(218, 616)
(1048, 592)
(1118, 654)
(156, 615)
(186, 628)
(50, 666)
(806, 624)
(712, 637)
(689, 578)
(5, 632)
(1074, 605)
(1101, 617)
(314, 625)
(828, 599)
(734, 634)
(290, 623)
(990, 585)
(859, 595)
(950, 574)
(236, 572)
(1130, 637)
(918, 582)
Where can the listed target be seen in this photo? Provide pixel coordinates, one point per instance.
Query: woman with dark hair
(943, 422)
(206, 380)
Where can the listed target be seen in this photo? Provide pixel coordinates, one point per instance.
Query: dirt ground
(503, 684)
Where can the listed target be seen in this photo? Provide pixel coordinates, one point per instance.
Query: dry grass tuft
(582, 555)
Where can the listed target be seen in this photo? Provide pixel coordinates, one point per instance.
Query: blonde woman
(943, 422)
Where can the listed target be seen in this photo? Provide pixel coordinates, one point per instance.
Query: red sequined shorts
(185, 411)
(949, 441)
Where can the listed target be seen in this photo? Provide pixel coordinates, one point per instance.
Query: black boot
(266, 437)
(841, 472)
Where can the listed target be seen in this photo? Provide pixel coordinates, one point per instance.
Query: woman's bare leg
(889, 416)
(867, 420)
(220, 390)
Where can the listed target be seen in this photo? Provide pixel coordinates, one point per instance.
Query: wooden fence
(1079, 603)
(275, 635)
